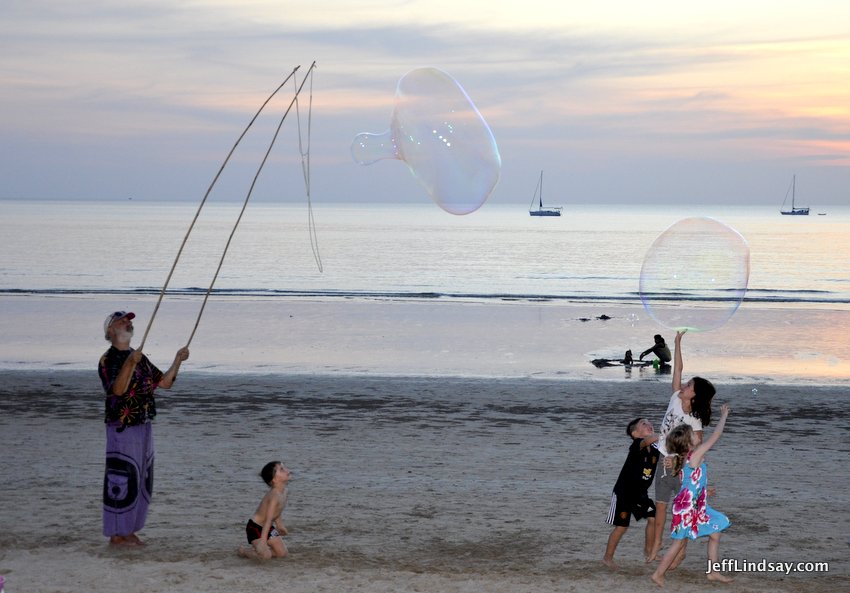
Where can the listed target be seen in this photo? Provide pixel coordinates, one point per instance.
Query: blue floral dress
(692, 517)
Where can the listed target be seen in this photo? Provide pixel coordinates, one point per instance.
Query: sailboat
(538, 196)
(794, 211)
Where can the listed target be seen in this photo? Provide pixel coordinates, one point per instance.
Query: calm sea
(400, 251)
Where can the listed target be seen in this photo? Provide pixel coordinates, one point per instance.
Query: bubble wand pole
(203, 201)
(245, 203)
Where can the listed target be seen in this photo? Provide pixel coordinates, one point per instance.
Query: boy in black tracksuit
(630, 492)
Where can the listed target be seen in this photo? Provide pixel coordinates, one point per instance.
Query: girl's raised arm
(677, 362)
(699, 452)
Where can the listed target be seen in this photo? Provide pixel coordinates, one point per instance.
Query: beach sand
(404, 484)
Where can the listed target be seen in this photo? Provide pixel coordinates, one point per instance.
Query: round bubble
(694, 276)
(436, 129)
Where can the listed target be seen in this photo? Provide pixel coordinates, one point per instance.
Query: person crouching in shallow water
(129, 380)
(659, 349)
(265, 529)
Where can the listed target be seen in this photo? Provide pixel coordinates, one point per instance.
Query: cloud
(173, 83)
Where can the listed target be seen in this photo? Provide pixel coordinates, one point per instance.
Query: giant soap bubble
(695, 275)
(442, 137)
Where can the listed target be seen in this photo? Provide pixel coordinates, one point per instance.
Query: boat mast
(793, 190)
(541, 189)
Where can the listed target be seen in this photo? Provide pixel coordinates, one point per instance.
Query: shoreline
(758, 346)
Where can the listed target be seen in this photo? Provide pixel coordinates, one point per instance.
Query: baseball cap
(112, 318)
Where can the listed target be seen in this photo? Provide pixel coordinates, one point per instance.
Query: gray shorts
(666, 486)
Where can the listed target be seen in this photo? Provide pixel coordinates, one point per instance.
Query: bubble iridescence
(445, 142)
(694, 276)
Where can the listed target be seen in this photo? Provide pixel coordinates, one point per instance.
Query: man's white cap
(112, 318)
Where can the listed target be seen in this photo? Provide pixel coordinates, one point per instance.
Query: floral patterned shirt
(137, 405)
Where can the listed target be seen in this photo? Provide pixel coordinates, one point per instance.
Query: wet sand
(428, 337)
(408, 484)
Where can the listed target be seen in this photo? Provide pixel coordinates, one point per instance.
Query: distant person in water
(660, 349)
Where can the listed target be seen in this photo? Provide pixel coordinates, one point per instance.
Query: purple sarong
(128, 480)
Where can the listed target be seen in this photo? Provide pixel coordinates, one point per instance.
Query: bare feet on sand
(126, 540)
(712, 576)
(609, 562)
(654, 554)
(250, 552)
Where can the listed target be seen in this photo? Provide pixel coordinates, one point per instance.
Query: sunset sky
(655, 102)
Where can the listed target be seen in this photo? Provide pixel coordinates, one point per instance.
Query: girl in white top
(690, 404)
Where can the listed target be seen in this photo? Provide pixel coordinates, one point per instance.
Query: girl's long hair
(701, 404)
(678, 443)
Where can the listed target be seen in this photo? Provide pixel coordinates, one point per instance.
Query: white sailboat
(794, 211)
(538, 196)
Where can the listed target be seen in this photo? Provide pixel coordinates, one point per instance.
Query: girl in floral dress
(692, 517)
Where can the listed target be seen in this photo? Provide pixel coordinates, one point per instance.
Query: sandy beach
(407, 484)
(445, 359)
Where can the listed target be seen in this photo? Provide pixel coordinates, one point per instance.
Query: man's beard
(123, 335)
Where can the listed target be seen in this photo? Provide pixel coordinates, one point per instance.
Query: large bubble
(438, 132)
(695, 275)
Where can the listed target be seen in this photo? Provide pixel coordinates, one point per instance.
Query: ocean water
(591, 253)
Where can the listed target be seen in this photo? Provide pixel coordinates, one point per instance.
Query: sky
(618, 101)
